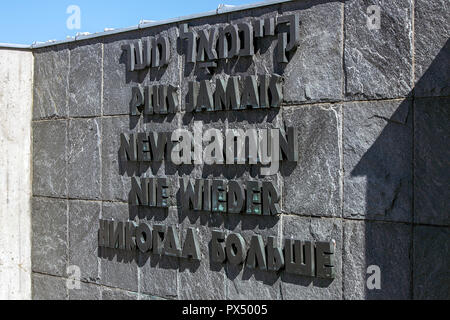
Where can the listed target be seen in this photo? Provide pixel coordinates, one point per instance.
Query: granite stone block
(51, 74)
(84, 159)
(315, 71)
(386, 245)
(378, 61)
(377, 140)
(49, 241)
(49, 158)
(85, 80)
(313, 186)
(48, 288)
(83, 239)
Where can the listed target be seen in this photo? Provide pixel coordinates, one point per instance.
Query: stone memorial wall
(341, 187)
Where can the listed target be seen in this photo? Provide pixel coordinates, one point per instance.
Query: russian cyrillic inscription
(306, 258)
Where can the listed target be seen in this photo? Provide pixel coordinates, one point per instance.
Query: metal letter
(220, 98)
(275, 258)
(162, 193)
(139, 63)
(225, 52)
(269, 27)
(294, 36)
(236, 250)
(137, 100)
(191, 102)
(116, 235)
(276, 91)
(218, 254)
(128, 147)
(181, 150)
(247, 29)
(172, 99)
(250, 95)
(129, 48)
(147, 52)
(144, 237)
(149, 92)
(192, 42)
(207, 195)
(264, 27)
(264, 91)
(155, 53)
(191, 199)
(233, 93)
(236, 196)
(139, 192)
(205, 97)
(258, 25)
(103, 233)
(130, 235)
(294, 30)
(289, 145)
(172, 245)
(325, 260)
(254, 197)
(271, 199)
(158, 142)
(207, 44)
(256, 256)
(219, 196)
(191, 248)
(143, 148)
(213, 153)
(281, 46)
(152, 192)
(164, 54)
(159, 232)
(299, 257)
(159, 99)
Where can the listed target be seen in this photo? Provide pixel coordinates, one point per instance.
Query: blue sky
(26, 21)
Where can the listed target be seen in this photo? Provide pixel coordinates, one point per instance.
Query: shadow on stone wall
(403, 177)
